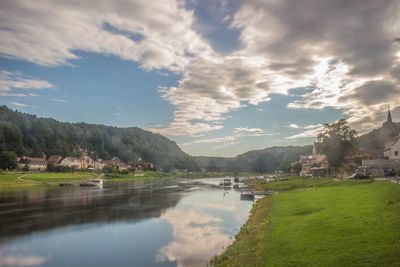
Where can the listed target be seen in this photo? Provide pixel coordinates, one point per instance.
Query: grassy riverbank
(319, 222)
(10, 180)
(16, 180)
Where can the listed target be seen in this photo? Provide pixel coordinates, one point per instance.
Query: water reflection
(203, 224)
(195, 236)
(162, 224)
(30, 211)
(21, 260)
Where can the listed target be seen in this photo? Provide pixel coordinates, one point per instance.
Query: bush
(58, 168)
(113, 175)
(8, 160)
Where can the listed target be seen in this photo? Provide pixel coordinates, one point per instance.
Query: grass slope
(10, 179)
(352, 223)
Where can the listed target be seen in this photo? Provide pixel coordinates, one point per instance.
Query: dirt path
(26, 180)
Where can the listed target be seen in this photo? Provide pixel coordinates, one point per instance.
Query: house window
(396, 153)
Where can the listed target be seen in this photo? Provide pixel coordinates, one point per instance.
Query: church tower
(388, 125)
(389, 116)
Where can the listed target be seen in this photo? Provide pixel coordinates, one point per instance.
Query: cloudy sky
(218, 77)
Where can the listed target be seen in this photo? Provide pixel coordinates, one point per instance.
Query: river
(175, 223)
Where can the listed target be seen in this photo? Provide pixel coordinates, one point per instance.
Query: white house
(34, 164)
(39, 164)
(71, 162)
(99, 164)
(392, 149)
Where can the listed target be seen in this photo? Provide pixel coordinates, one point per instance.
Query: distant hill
(277, 158)
(265, 160)
(32, 136)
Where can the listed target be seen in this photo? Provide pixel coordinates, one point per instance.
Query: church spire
(389, 116)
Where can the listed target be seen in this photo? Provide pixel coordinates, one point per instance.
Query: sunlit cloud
(342, 52)
(311, 131)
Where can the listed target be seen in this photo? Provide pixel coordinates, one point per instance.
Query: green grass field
(321, 223)
(10, 178)
(48, 177)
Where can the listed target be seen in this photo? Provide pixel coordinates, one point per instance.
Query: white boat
(92, 182)
(96, 181)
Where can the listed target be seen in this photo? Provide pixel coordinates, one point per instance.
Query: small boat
(87, 183)
(65, 184)
(247, 195)
(226, 183)
(96, 181)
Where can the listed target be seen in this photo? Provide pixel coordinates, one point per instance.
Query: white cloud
(18, 105)
(294, 126)
(12, 83)
(342, 50)
(49, 33)
(229, 140)
(59, 100)
(225, 139)
(247, 132)
(311, 131)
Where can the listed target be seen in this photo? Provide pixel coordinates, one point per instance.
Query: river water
(181, 223)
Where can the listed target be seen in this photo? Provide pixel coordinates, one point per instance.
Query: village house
(85, 162)
(122, 166)
(392, 149)
(71, 162)
(316, 163)
(391, 152)
(54, 159)
(99, 164)
(33, 164)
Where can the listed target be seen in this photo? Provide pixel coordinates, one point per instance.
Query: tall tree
(336, 141)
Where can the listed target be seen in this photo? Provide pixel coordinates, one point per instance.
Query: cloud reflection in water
(21, 260)
(202, 225)
(196, 236)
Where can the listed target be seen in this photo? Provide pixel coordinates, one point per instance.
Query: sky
(218, 77)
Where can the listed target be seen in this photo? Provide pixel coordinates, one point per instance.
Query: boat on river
(92, 182)
(247, 195)
(226, 182)
(65, 184)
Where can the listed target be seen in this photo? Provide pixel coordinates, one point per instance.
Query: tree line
(30, 135)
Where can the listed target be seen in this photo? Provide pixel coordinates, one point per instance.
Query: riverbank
(320, 222)
(27, 180)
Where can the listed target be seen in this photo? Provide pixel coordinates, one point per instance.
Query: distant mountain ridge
(30, 135)
(259, 161)
(277, 158)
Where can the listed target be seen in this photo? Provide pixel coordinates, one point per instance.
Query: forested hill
(29, 135)
(265, 160)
